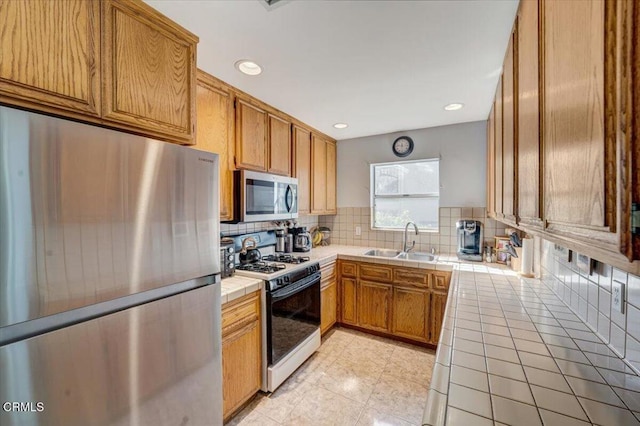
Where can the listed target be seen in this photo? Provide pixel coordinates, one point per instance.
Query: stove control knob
(230, 249)
(230, 257)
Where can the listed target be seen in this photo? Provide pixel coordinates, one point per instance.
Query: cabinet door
(241, 367)
(279, 146)
(51, 55)
(410, 313)
(149, 70)
(373, 305)
(440, 281)
(528, 115)
(302, 167)
(491, 163)
(509, 143)
(215, 133)
(579, 157)
(436, 316)
(318, 175)
(328, 301)
(348, 298)
(251, 136)
(331, 178)
(498, 153)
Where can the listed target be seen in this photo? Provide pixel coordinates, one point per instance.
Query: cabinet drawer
(241, 312)
(440, 281)
(348, 269)
(375, 273)
(417, 277)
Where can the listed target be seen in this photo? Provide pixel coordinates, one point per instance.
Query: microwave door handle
(288, 194)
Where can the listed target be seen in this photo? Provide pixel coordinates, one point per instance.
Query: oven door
(293, 314)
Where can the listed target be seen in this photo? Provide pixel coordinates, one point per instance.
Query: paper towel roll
(526, 267)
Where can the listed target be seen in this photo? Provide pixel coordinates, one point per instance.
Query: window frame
(373, 196)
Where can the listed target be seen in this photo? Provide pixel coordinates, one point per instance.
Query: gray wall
(462, 152)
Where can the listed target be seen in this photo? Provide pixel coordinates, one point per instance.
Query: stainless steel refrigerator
(109, 277)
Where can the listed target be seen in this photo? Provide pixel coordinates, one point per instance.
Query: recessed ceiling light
(453, 107)
(341, 125)
(248, 67)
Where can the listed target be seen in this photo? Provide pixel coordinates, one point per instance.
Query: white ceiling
(380, 66)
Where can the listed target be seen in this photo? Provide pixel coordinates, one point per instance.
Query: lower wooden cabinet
(411, 313)
(241, 352)
(436, 315)
(328, 297)
(397, 301)
(348, 297)
(373, 302)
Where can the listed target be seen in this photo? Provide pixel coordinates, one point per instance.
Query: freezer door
(155, 364)
(89, 214)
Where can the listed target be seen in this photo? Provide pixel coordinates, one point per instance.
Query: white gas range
(291, 307)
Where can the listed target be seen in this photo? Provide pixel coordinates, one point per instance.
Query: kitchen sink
(382, 252)
(417, 256)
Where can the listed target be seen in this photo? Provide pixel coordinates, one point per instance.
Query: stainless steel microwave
(261, 197)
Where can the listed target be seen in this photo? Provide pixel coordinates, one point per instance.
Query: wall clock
(403, 146)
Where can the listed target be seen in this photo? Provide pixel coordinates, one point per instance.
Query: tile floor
(353, 379)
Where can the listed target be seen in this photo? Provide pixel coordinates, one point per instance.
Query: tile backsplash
(343, 227)
(245, 228)
(591, 296)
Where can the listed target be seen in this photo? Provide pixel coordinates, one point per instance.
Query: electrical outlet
(358, 231)
(617, 296)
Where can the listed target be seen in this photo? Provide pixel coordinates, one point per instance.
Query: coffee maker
(301, 239)
(469, 240)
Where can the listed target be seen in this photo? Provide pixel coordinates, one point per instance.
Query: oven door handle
(297, 288)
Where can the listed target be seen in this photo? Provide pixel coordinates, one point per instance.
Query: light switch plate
(358, 231)
(617, 296)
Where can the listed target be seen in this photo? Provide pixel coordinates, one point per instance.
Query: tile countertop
(511, 352)
(238, 286)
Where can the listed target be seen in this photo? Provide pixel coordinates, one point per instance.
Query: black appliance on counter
(469, 240)
(227, 257)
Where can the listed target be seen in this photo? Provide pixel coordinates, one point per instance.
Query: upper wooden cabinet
(215, 133)
(528, 119)
(563, 113)
(263, 139)
(149, 70)
(251, 136)
(302, 166)
(576, 146)
(323, 176)
(279, 145)
(491, 165)
(51, 55)
(332, 203)
(116, 63)
(499, 170)
(509, 142)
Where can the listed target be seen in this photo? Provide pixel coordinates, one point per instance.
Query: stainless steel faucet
(406, 248)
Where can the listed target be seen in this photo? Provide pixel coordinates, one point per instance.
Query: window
(405, 191)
